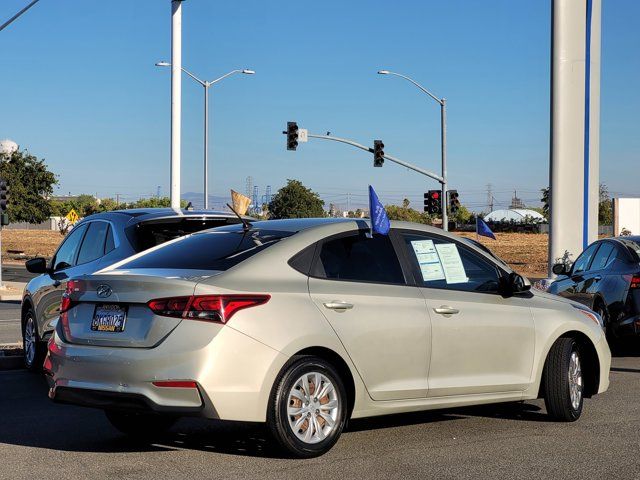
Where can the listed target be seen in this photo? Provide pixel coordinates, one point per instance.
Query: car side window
(358, 258)
(604, 257)
(438, 262)
(93, 244)
(66, 254)
(109, 243)
(583, 261)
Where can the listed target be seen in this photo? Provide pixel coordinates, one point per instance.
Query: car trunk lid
(110, 309)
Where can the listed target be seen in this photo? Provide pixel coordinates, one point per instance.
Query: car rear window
(152, 233)
(209, 251)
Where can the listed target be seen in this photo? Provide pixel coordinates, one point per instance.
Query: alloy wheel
(313, 407)
(30, 341)
(575, 380)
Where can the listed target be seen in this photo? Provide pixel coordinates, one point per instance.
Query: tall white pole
(575, 125)
(206, 146)
(176, 99)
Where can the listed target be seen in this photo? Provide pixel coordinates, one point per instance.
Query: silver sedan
(302, 324)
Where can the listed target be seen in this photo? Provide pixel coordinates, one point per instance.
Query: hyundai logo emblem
(103, 291)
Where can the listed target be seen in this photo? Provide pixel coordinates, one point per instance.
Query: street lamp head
(383, 72)
(248, 72)
(163, 64)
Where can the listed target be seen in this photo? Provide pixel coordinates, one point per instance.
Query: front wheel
(308, 407)
(564, 381)
(140, 425)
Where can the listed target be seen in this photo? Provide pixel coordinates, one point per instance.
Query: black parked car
(94, 243)
(606, 278)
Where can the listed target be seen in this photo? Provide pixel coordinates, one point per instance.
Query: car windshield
(213, 250)
(154, 232)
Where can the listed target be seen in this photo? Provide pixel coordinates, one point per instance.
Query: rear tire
(142, 426)
(33, 347)
(305, 419)
(564, 381)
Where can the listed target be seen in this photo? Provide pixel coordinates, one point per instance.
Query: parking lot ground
(10, 322)
(40, 439)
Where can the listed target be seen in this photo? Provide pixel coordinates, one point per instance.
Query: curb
(10, 297)
(11, 357)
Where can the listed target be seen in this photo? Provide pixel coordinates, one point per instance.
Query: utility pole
(176, 100)
(490, 197)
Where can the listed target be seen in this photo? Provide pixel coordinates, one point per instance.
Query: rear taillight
(635, 281)
(66, 303)
(212, 308)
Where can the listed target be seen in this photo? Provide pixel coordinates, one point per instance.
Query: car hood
(556, 298)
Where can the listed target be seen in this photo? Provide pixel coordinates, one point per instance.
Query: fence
(50, 224)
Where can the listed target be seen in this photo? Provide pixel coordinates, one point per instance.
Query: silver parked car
(303, 324)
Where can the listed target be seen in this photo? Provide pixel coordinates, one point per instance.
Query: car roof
(145, 214)
(339, 225)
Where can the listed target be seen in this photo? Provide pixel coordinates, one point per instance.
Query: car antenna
(246, 226)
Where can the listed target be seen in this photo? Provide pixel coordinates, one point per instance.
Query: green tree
(463, 215)
(545, 202)
(153, 202)
(294, 200)
(30, 183)
(406, 213)
(605, 207)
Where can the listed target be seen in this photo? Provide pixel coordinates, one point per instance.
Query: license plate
(109, 318)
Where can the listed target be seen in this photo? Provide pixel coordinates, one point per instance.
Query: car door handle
(597, 278)
(446, 310)
(338, 305)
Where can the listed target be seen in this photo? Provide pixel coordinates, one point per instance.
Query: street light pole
(206, 86)
(176, 101)
(443, 141)
(443, 153)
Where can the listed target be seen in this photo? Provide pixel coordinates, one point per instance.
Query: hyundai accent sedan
(303, 324)
(95, 242)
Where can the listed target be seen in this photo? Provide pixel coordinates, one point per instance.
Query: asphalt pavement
(10, 311)
(10, 323)
(40, 439)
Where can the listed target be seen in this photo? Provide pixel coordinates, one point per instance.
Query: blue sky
(80, 89)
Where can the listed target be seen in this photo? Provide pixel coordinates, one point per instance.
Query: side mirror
(561, 269)
(514, 284)
(37, 265)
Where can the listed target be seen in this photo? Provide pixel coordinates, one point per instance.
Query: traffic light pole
(402, 163)
(443, 145)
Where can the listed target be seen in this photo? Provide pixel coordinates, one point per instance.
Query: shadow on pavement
(29, 418)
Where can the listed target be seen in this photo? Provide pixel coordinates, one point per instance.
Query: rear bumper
(233, 372)
(128, 402)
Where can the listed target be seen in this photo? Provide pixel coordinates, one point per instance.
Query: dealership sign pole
(176, 100)
(575, 125)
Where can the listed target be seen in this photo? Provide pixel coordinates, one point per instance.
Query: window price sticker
(428, 259)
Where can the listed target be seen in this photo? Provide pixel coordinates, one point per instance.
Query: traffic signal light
(4, 193)
(433, 202)
(454, 203)
(292, 135)
(378, 153)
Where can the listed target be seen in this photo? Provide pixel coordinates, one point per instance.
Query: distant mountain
(216, 202)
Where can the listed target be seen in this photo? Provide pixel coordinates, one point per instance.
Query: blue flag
(379, 220)
(483, 229)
